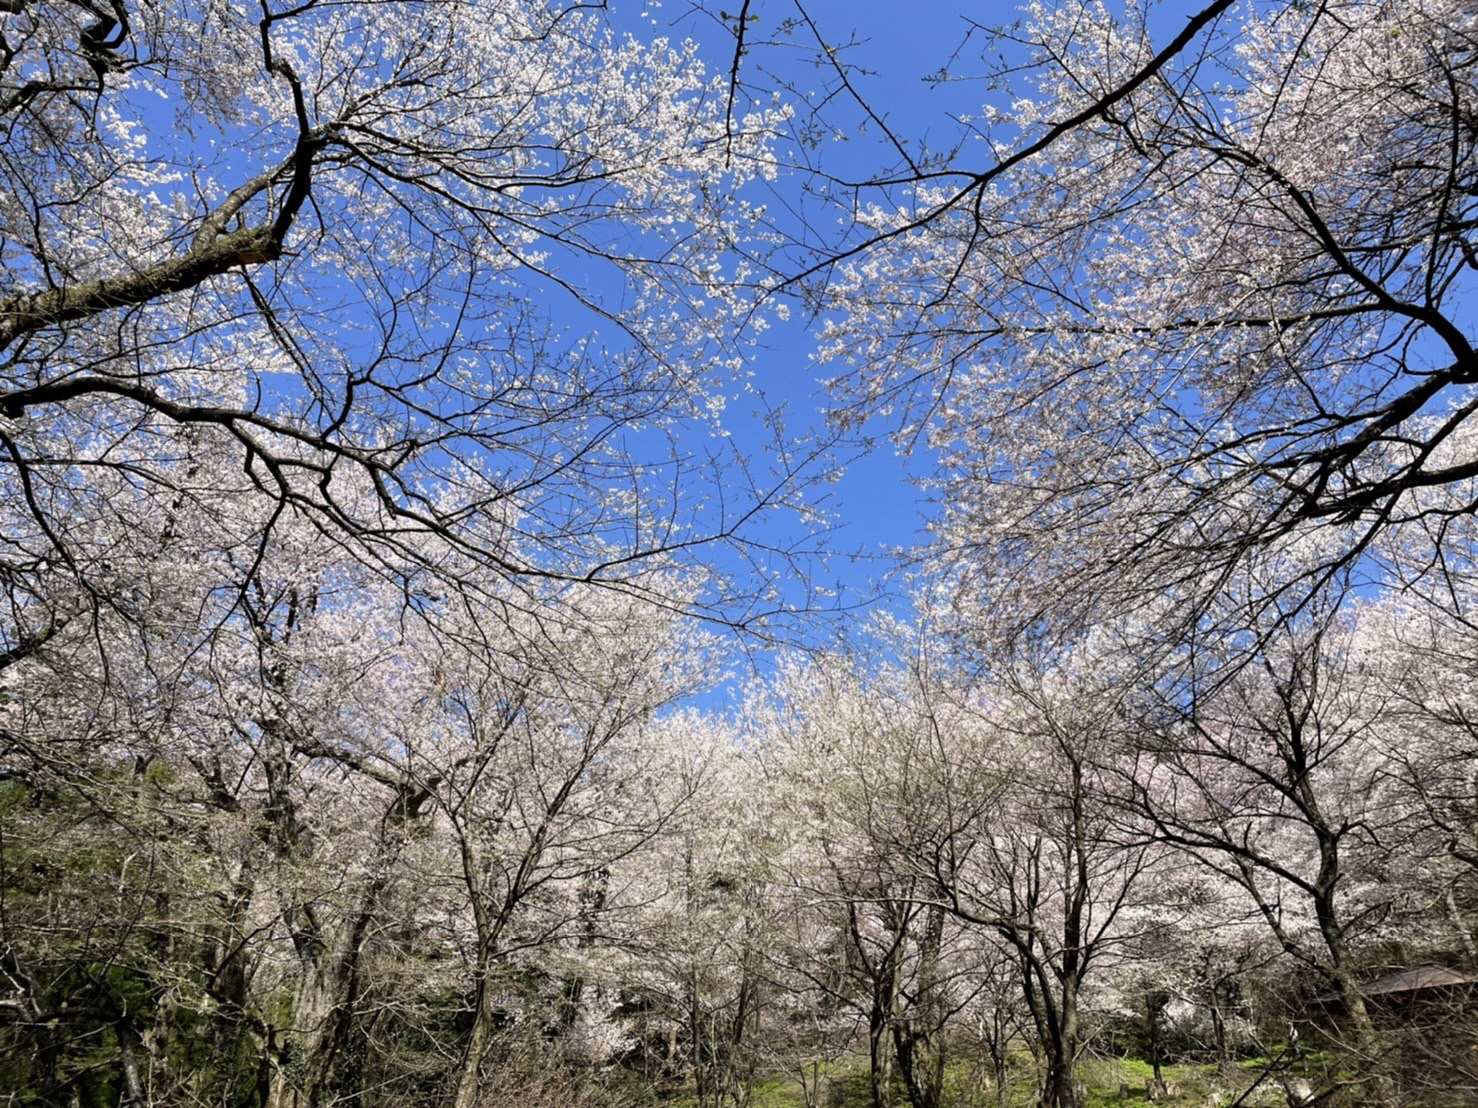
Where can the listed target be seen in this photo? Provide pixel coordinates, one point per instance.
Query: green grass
(846, 1084)
(1197, 1086)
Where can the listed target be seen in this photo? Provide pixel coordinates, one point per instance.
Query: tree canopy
(376, 553)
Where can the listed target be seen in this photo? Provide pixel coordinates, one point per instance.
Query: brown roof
(1417, 979)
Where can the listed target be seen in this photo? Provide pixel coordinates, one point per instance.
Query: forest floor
(1109, 1082)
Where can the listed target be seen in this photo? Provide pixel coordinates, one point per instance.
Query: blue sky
(874, 505)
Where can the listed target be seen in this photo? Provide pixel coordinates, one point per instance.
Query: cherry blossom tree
(244, 759)
(338, 340)
(545, 786)
(439, 282)
(1188, 292)
(328, 793)
(1038, 855)
(700, 936)
(968, 827)
(858, 749)
(1417, 642)
(1278, 782)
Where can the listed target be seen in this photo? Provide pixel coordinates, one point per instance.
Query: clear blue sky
(890, 51)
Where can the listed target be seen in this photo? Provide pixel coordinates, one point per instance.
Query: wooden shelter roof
(1417, 979)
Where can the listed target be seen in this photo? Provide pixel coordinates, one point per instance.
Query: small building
(1411, 988)
(1427, 1021)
